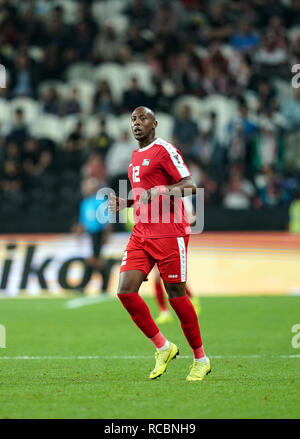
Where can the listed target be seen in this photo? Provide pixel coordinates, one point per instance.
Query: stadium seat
(224, 108)
(49, 126)
(252, 100)
(165, 126)
(124, 124)
(196, 105)
(104, 10)
(5, 111)
(80, 71)
(201, 51)
(113, 73)
(69, 124)
(294, 33)
(86, 91)
(284, 90)
(69, 8)
(228, 51)
(30, 107)
(142, 72)
(112, 123)
(61, 88)
(91, 126)
(119, 23)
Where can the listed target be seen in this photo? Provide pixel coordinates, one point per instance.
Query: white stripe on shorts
(182, 254)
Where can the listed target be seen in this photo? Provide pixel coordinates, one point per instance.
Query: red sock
(140, 314)
(188, 291)
(189, 323)
(160, 295)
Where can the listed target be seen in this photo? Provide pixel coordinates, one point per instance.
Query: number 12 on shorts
(135, 174)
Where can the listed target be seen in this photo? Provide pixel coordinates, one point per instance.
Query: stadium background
(217, 74)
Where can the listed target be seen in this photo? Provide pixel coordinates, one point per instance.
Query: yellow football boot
(163, 358)
(199, 371)
(164, 317)
(196, 304)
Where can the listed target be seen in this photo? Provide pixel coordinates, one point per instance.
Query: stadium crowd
(217, 73)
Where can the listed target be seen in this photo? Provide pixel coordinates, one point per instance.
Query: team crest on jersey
(146, 162)
(177, 158)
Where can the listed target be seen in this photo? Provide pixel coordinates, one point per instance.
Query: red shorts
(169, 254)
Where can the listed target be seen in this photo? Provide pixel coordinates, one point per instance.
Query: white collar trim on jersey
(149, 146)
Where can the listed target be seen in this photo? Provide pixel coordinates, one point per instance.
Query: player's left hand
(148, 195)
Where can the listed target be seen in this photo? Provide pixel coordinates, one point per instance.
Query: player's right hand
(116, 203)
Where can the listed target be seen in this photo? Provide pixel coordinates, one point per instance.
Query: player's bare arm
(176, 190)
(115, 204)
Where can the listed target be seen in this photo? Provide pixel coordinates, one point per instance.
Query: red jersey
(159, 163)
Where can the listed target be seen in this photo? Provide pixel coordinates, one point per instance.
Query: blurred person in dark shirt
(24, 77)
(71, 105)
(11, 176)
(185, 131)
(134, 96)
(138, 13)
(102, 141)
(19, 129)
(51, 102)
(103, 99)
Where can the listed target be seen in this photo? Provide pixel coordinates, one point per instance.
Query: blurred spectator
(78, 136)
(103, 100)
(94, 167)
(241, 131)
(70, 158)
(266, 96)
(11, 177)
(269, 186)
(119, 156)
(71, 105)
(102, 141)
(185, 131)
(291, 111)
(277, 28)
(210, 186)
(95, 220)
(208, 148)
(51, 102)
(52, 66)
(139, 13)
(107, 46)
(82, 42)
(271, 57)
(137, 43)
(35, 160)
(19, 129)
(185, 74)
(267, 145)
(245, 40)
(134, 97)
(23, 77)
(220, 27)
(238, 192)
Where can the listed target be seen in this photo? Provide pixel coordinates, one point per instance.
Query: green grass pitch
(255, 369)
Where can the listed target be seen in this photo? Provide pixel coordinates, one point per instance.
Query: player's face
(142, 124)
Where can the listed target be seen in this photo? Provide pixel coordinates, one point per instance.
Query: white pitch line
(135, 357)
(83, 301)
